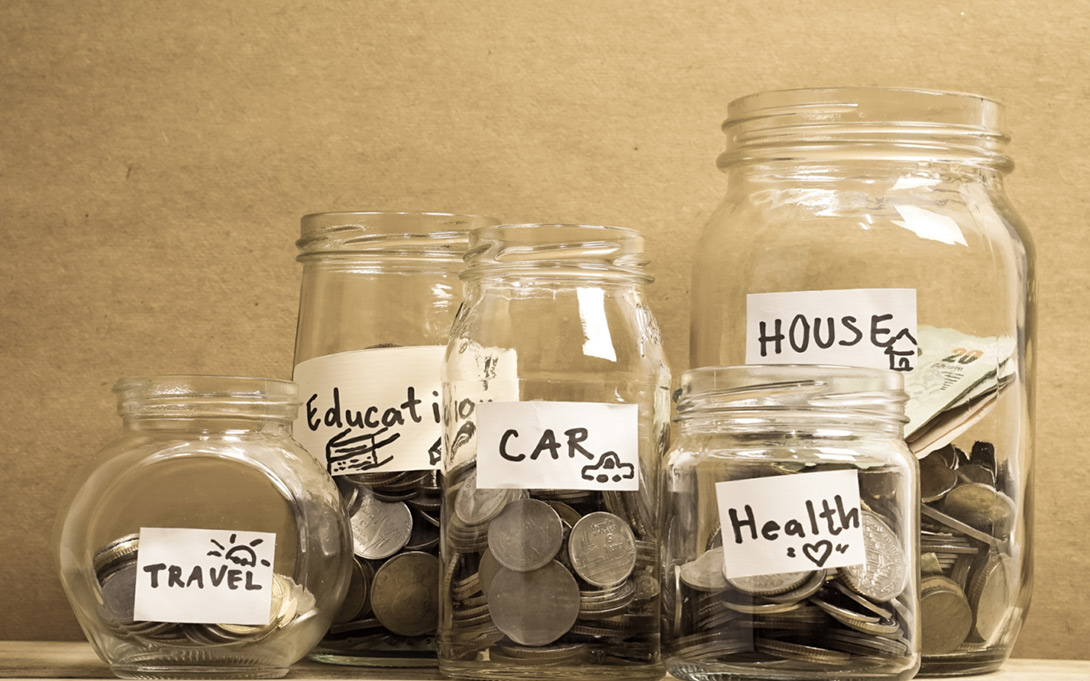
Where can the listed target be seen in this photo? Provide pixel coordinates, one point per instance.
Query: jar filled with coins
(790, 527)
(868, 227)
(378, 296)
(556, 404)
(204, 542)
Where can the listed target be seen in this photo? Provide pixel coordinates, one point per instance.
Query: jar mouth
(197, 396)
(771, 387)
(387, 233)
(557, 249)
(867, 123)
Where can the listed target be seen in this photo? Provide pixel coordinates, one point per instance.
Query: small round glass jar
(790, 527)
(556, 393)
(869, 227)
(203, 542)
(379, 293)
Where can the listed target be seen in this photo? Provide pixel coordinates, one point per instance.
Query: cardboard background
(155, 159)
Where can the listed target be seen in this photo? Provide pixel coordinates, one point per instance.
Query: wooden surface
(69, 660)
(155, 158)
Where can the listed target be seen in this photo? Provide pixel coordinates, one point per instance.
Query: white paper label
(372, 410)
(854, 327)
(204, 576)
(558, 445)
(790, 523)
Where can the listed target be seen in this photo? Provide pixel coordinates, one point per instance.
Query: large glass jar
(790, 527)
(378, 296)
(556, 393)
(869, 227)
(203, 542)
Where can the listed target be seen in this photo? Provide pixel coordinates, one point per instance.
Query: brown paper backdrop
(155, 159)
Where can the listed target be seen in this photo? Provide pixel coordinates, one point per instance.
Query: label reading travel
(204, 576)
(558, 445)
(873, 328)
(790, 523)
(372, 410)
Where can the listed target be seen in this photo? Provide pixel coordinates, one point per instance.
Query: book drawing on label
(347, 452)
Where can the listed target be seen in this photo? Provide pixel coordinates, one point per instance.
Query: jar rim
(822, 387)
(562, 249)
(204, 394)
(364, 233)
(868, 122)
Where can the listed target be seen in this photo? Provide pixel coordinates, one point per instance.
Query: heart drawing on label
(818, 552)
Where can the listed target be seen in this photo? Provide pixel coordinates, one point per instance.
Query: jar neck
(209, 404)
(562, 255)
(789, 424)
(823, 130)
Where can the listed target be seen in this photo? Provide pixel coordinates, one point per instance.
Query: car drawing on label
(609, 467)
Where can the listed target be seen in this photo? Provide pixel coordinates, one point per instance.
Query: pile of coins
(849, 617)
(548, 577)
(969, 572)
(116, 571)
(392, 602)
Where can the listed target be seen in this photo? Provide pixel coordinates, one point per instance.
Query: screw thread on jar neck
(557, 250)
(754, 397)
(206, 398)
(891, 124)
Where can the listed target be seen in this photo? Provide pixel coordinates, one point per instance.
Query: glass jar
(790, 522)
(869, 227)
(203, 542)
(556, 394)
(378, 296)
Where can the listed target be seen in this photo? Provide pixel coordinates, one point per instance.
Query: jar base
(490, 671)
(696, 671)
(374, 660)
(963, 664)
(166, 671)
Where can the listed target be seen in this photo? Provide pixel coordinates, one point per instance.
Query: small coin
(119, 593)
(379, 528)
(798, 651)
(115, 554)
(975, 472)
(526, 535)
(706, 572)
(355, 600)
(475, 506)
(602, 549)
(945, 615)
(983, 508)
(770, 585)
(534, 608)
(488, 568)
(404, 594)
(936, 480)
(884, 573)
(991, 594)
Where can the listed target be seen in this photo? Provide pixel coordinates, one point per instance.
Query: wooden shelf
(69, 660)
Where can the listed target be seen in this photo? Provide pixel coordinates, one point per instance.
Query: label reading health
(372, 410)
(873, 328)
(790, 523)
(204, 576)
(558, 445)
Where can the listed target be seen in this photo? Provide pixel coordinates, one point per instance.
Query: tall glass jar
(790, 521)
(203, 542)
(556, 393)
(378, 296)
(869, 227)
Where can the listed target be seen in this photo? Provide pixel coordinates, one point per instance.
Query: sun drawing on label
(239, 554)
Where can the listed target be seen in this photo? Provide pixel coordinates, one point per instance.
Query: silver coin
(475, 506)
(884, 573)
(706, 572)
(602, 549)
(405, 594)
(770, 585)
(356, 599)
(534, 608)
(983, 508)
(379, 528)
(488, 568)
(526, 535)
(119, 593)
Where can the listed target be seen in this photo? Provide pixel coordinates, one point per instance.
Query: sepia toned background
(155, 159)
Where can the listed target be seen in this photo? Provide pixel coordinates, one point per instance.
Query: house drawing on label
(901, 351)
